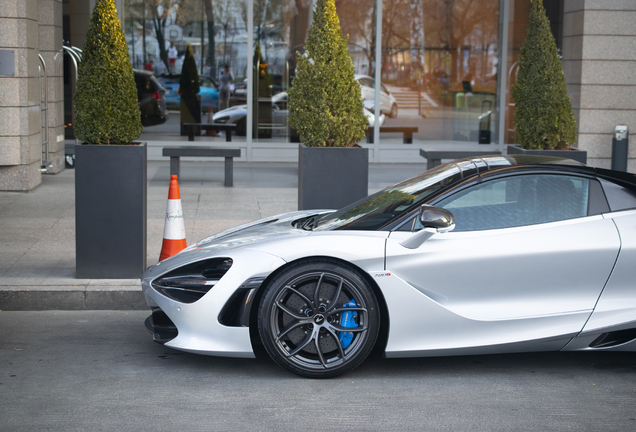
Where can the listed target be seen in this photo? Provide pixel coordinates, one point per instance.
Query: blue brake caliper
(347, 320)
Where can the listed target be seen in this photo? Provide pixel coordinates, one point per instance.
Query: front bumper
(197, 327)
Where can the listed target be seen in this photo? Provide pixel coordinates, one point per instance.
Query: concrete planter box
(110, 211)
(577, 155)
(331, 177)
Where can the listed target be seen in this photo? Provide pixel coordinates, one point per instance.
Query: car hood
(246, 235)
(231, 111)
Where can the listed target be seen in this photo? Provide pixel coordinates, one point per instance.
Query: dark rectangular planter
(574, 154)
(110, 211)
(331, 177)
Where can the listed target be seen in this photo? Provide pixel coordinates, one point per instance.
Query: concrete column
(20, 139)
(599, 62)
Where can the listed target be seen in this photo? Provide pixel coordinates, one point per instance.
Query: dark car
(151, 95)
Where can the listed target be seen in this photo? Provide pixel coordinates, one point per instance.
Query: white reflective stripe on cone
(174, 228)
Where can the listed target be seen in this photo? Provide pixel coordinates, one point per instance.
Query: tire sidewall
(296, 270)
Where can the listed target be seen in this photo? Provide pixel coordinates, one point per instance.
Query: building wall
(599, 60)
(29, 28)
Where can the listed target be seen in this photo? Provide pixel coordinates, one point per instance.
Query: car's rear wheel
(319, 319)
(394, 111)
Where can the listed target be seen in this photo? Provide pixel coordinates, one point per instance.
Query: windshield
(375, 211)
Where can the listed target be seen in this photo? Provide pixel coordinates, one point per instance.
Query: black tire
(241, 128)
(394, 111)
(301, 315)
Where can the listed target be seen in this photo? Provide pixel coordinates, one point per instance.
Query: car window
(366, 82)
(517, 201)
(384, 89)
(207, 82)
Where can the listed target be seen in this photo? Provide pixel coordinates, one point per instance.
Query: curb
(72, 298)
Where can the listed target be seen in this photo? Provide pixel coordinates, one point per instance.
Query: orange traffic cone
(174, 239)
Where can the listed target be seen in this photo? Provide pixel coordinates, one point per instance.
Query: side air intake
(611, 339)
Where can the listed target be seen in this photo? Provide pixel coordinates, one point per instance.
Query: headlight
(189, 283)
(221, 120)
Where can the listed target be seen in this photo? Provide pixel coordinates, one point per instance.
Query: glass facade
(439, 63)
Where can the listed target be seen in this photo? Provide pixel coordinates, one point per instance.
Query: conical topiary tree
(325, 103)
(106, 106)
(189, 80)
(543, 112)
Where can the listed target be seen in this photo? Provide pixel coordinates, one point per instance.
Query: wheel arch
(381, 341)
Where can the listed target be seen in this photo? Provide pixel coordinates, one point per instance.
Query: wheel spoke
(290, 312)
(335, 336)
(334, 302)
(322, 359)
(299, 294)
(347, 309)
(317, 291)
(302, 345)
(349, 329)
(288, 329)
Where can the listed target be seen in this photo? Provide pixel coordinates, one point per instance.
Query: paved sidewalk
(37, 228)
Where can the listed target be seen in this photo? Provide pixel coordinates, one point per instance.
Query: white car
(238, 114)
(388, 103)
(540, 258)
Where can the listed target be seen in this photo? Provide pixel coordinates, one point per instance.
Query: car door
(522, 270)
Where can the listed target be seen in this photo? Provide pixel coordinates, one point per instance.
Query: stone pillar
(599, 62)
(20, 137)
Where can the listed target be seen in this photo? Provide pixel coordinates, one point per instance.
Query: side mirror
(434, 220)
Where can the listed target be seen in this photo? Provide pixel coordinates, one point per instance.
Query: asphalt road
(99, 370)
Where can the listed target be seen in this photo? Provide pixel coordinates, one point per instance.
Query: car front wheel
(318, 319)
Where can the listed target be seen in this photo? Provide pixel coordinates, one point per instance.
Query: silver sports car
(482, 255)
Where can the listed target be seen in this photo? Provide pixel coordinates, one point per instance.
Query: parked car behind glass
(209, 92)
(388, 103)
(238, 115)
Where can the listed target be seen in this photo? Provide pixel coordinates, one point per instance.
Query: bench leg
(408, 138)
(229, 171)
(174, 165)
(228, 135)
(190, 133)
(432, 163)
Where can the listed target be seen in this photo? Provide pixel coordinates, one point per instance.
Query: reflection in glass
(158, 33)
(280, 31)
(439, 62)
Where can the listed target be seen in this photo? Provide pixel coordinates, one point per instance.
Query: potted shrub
(189, 90)
(544, 121)
(325, 107)
(110, 168)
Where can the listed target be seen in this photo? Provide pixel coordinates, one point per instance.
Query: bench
(227, 128)
(434, 157)
(229, 154)
(407, 131)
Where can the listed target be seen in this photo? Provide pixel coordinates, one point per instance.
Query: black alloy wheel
(319, 319)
